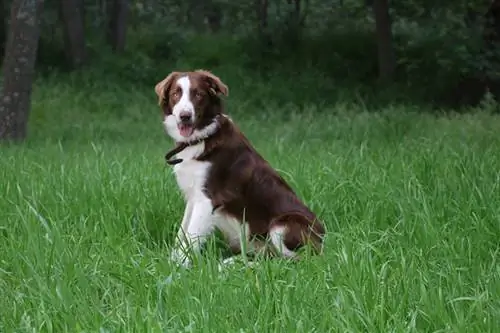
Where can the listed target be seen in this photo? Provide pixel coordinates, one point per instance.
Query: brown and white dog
(227, 185)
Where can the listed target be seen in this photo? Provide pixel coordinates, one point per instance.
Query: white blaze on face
(184, 131)
(184, 108)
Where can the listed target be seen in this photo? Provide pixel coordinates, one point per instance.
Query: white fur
(170, 124)
(186, 105)
(232, 261)
(198, 222)
(276, 234)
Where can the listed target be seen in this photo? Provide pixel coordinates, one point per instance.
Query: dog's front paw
(179, 257)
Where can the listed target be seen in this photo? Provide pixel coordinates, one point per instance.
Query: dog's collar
(180, 147)
(183, 145)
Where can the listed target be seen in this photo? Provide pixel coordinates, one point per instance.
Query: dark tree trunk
(296, 21)
(261, 9)
(296, 10)
(3, 26)
(213, 14)
(265, 39)
(118, 11)
(19, 68)
(386, 57)
(491, 30)
(196, 14)
(74, 31)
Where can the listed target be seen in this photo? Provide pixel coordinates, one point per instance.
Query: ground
(410, 201)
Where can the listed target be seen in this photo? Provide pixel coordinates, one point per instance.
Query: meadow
(89, 210)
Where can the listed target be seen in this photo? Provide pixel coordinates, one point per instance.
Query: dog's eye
(197, 95)
(175, 94)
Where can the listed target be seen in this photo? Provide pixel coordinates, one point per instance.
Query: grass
(89, 209)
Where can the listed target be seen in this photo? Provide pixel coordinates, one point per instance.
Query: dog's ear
(163, 86)
(216, 84)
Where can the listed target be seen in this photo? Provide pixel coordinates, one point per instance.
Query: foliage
(437, 45)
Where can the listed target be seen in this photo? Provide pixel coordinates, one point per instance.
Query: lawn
(89, 210)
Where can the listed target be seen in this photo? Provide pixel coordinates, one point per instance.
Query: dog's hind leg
(288, 233)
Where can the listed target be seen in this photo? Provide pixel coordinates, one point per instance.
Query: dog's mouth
(185, 129)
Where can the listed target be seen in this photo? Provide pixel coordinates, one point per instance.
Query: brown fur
(206, 90)
(241, 183)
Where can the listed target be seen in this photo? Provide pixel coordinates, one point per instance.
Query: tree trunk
(386, 57)
(19, 68)
(261, 9)
(196, 14)
(3, 26)
(491, 29)
(117, 24)
(213, 15)
(74, 31)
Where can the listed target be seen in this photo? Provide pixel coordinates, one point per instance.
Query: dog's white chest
(190, 173)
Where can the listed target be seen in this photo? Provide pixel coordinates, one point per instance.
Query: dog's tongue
(186, 130)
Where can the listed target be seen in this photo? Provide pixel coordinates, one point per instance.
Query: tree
(19, 68)
(261, 9)
(383, 27)
(74, 31)
(118, 11)
(3, 25)
(213, 14)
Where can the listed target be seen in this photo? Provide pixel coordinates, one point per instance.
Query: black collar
(178, 148)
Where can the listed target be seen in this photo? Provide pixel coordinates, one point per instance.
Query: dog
(227, 185)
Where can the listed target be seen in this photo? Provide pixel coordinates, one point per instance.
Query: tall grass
(89, 211)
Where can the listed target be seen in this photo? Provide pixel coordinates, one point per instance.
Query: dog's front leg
(184, 224)
(196, 231)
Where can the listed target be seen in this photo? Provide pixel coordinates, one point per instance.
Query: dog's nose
(185, 116)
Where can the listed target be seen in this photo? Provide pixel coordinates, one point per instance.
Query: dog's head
(190, 102)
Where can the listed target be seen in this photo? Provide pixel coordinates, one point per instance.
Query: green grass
(89, 211)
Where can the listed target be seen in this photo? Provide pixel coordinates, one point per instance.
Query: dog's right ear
(163, 86)
(216, 84)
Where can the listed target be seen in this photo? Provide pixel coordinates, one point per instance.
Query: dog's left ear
(215, 83)
(164, 85)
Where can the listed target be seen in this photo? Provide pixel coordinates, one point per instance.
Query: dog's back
(242, 184)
